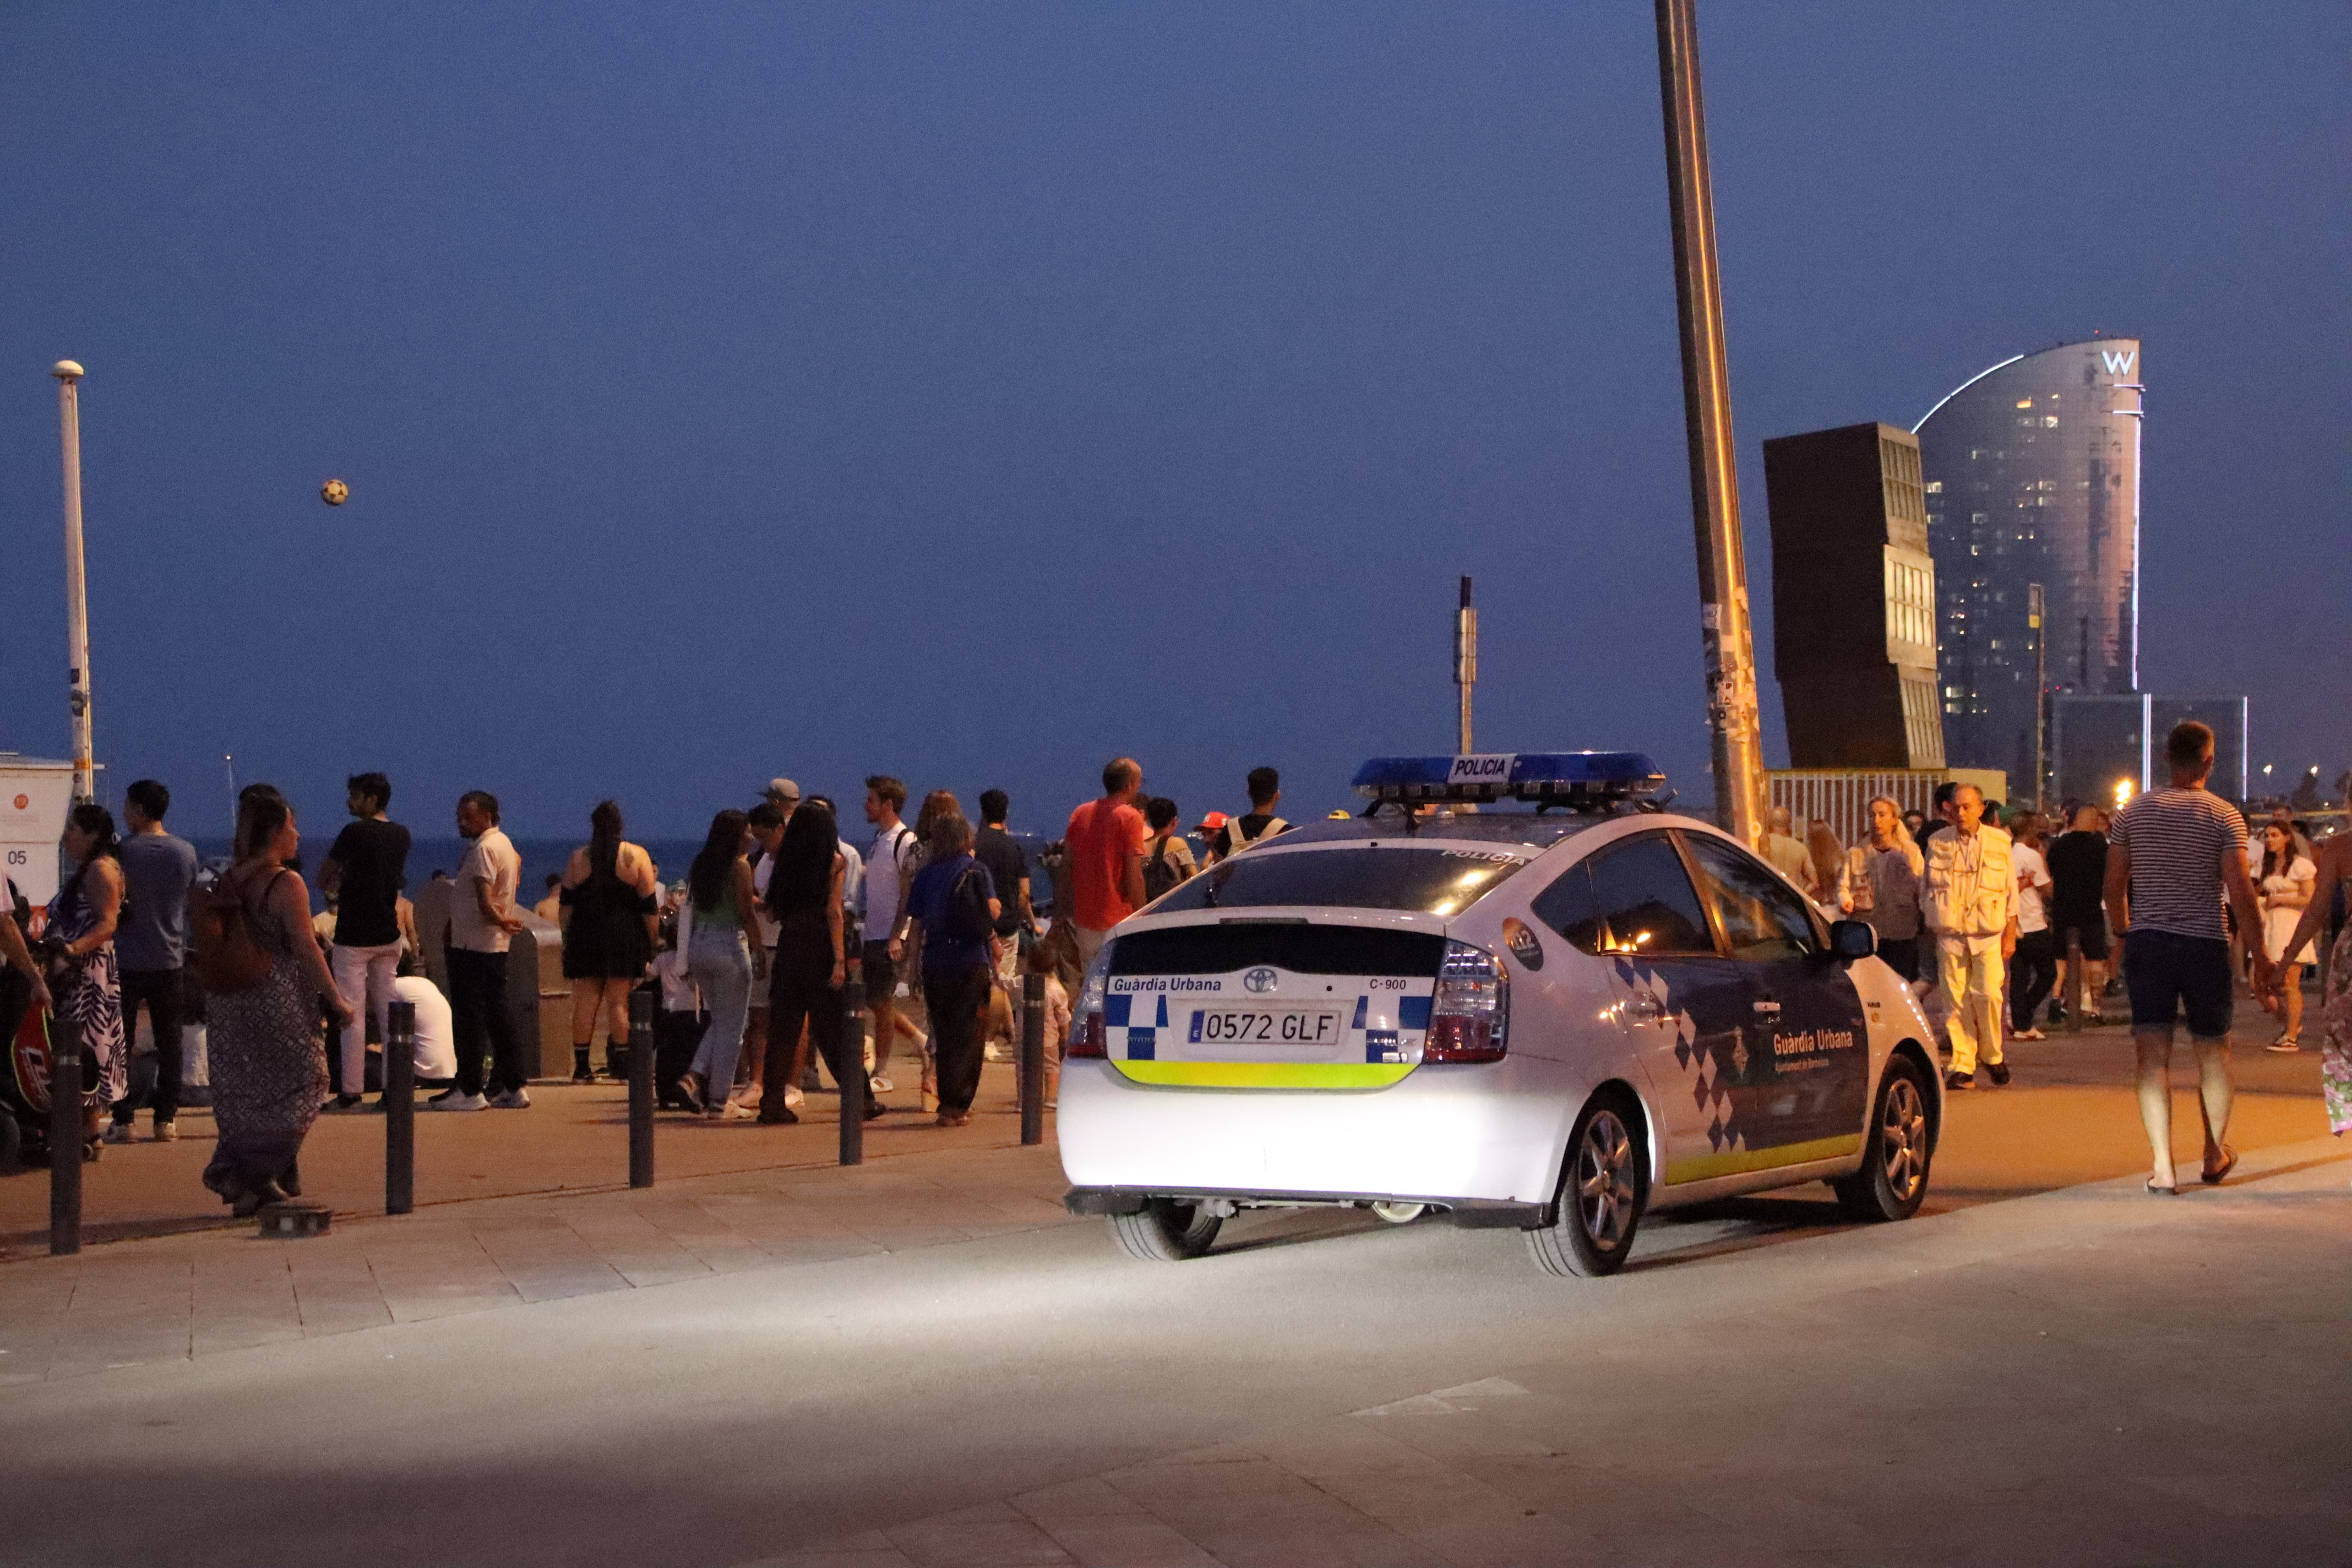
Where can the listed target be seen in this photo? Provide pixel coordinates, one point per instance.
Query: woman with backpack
(953, 909)
(81, 933)
(1167, 860)
(263, 977)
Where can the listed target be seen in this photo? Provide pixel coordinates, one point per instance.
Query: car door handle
(1769, 1009)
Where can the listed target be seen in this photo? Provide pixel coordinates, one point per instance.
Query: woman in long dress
(609, 914)
(268, 1059)
(2335, 872)
(82, 918)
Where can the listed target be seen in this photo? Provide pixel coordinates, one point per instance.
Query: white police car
(1551, 1019)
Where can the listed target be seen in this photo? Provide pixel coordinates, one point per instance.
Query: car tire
(1166, 1231)
(1896, 1150)
(1604, 1187)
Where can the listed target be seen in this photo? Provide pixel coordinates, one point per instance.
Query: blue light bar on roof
(1560, 776)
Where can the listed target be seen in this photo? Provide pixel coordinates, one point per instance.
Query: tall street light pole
(1728, 646)
(85, 775)
(1466, 662)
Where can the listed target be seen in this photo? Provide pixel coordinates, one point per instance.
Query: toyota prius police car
(1552, 1019)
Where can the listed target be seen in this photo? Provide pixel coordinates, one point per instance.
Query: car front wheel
(1893, 1174)
(1166, 1231)
(1601, 1195)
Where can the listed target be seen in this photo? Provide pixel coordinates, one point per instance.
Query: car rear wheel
(1601, 1195)
(1894, 1175)
(1166, 1231)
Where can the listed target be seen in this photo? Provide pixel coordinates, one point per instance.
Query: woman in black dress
(608, 912)
(805, 897)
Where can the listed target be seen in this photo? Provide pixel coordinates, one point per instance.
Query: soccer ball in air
(334, 492)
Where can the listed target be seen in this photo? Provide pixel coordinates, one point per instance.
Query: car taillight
(1089, 1038)
(1470, 1015)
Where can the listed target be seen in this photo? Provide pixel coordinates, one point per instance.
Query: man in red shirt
(1105, 842)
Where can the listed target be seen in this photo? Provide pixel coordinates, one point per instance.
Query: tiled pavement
(1494, 1473)
(175, 1297)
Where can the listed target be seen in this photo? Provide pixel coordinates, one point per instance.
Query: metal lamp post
(85, 775)
(1465, 663)
(1725, 636)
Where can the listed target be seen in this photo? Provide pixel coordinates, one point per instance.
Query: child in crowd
(1043, 959)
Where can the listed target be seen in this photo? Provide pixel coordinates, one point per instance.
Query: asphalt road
(2088, 1375)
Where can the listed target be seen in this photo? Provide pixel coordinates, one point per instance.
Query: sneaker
(340, 1104)
(167, 1130)
(751, 1094)
(510, 1100)
(455, 1099)
(880, 1083)
(1960, 1080)
(1997, 1072)
(121, 1133)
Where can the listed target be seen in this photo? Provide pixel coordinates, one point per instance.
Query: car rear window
(1428, 880)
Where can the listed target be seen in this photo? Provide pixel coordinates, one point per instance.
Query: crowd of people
(750, 952)
(1984, 913)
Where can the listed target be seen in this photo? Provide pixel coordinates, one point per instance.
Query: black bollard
(399, 1108)
(66, 1119)
(2078, 991)
(641, 1086)
(1032, 1058)
(852, 1073)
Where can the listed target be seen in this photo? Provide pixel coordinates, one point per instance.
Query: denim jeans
(720, 965)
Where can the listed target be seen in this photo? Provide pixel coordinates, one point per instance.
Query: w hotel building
(2032, 475)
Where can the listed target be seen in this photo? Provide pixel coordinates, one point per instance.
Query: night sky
(973, 393)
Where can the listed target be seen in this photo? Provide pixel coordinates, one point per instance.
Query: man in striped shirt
(2176, 857)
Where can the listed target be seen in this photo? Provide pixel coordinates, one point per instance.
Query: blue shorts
(2166, 973)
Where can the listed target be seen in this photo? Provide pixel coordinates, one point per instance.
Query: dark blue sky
(972, 393)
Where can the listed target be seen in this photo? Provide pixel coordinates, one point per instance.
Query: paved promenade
(924, 1360)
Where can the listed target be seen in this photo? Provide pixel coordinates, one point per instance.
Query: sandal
(2161, 1191)
(2212, 1178)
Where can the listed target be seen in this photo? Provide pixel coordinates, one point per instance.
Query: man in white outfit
(1970, 906)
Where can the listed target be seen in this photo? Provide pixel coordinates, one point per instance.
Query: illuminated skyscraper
(2031, 474)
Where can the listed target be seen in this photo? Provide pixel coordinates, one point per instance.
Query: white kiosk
(34, 795)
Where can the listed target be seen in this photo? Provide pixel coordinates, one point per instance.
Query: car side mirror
(1850, 940)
